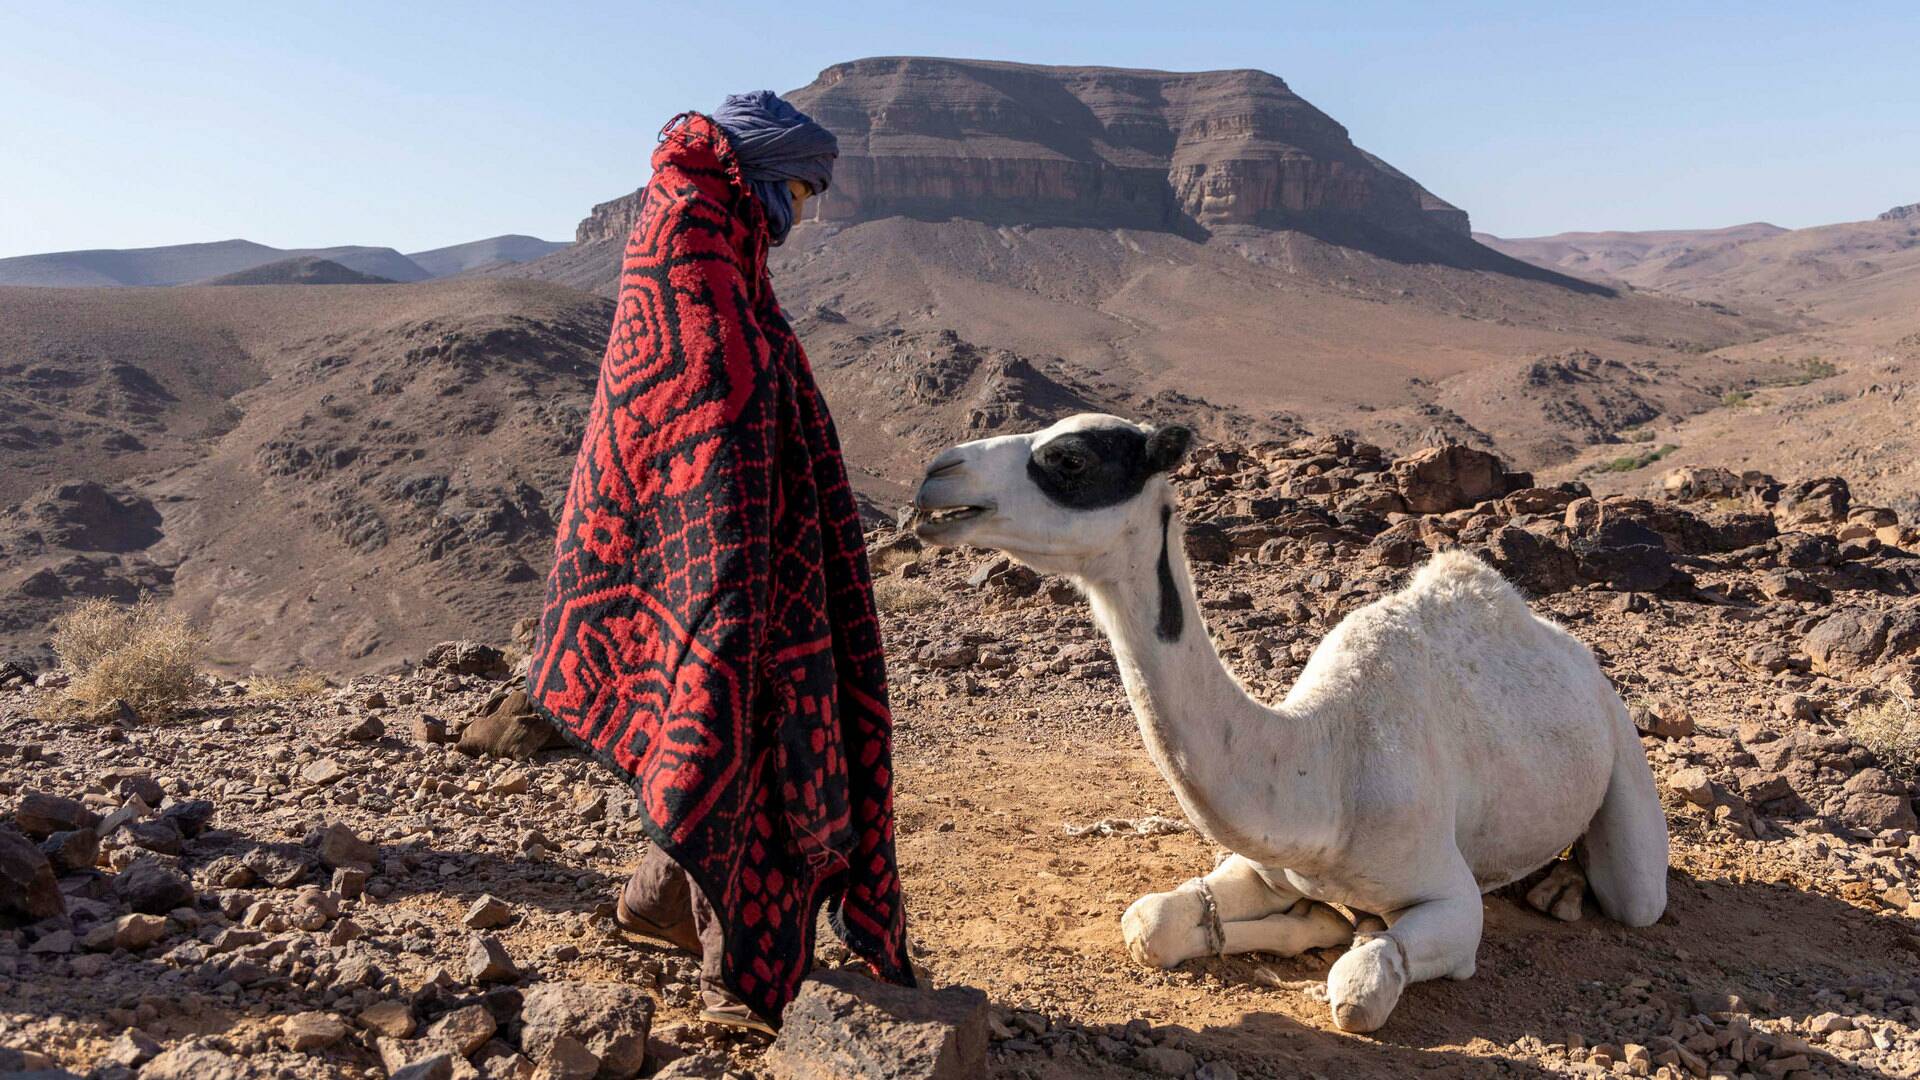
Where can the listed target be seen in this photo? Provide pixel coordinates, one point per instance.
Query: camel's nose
(949, 461)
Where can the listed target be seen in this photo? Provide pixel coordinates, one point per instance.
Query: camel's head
(1080, 498)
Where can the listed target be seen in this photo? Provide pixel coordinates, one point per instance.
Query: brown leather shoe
(677, 933)
(724, 1010)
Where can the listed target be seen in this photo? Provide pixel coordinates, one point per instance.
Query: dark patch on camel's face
(1096, 468)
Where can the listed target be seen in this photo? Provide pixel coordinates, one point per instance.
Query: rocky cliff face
(1019, 144)
(1100, 146)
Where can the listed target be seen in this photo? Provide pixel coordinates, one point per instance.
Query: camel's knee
(1365, 984)
(1163, 929)
(1641, 906)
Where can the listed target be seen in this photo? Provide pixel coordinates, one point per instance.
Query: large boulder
(1854, 640)
(1873, 802)
(845, 1026)
(149, 887)
(468, 658)
(1701, 482)
(29, 891)
(612, 1020)
(1813, 502)
(40, 815)
(1538, 564)
(1452, 477)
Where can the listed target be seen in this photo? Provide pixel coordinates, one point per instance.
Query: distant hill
(185, 264)
(1745, 265)
(1615, 256)
(493, 251)
(299, 270)
(173, 265)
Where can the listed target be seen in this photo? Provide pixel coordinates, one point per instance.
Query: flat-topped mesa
(1021, 144)
(930, 137)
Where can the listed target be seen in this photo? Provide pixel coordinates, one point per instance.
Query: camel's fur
(1442, 741)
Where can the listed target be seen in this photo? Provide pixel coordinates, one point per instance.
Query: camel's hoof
(1365, 984)
(1561, 893)
(1163, 929)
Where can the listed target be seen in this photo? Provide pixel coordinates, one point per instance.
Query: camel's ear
(1168, 446)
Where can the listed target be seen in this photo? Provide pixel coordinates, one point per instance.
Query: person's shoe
(725, 1010)
(680, 934)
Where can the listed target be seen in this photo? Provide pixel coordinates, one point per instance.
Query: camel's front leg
(1424, 941)
(1248, 914)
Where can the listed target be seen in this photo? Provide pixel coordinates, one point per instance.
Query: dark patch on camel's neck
(1172, 618)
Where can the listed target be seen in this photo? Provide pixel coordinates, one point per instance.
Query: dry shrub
(1891, 729)
(292, 686)
(901, 595)
(141, 654)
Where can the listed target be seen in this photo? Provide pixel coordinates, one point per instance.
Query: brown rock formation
(1193, 152)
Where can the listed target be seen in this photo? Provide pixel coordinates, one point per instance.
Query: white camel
(1441, 742)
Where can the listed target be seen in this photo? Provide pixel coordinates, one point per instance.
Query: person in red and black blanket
(709, 623)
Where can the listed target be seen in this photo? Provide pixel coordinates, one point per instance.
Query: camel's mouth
(937, 522)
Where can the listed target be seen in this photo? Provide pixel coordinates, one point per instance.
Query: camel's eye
(1091, 468)
(1066, 462)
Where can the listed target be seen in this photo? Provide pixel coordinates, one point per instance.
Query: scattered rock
(29, 891)
(1663, 719)
(197, 1063)
(312, 1030)
(340, 846)
(487, 913)
(149, 887)
(611, 1020)
(132, 1049)
(1166, 1060)
(40, 815)
(567, 1059)
(191, 817)
(393, 1019)
(468, 658)
(1443, 478)
(1692, 785)
(437, 1067)
(488, 962)
(323, 772)
(161, 836)
(466, 1029)
(1820, 501)
(844, 1026)
(130, 932)
(427, 730)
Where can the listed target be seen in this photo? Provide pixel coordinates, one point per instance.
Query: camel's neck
(1235, 764)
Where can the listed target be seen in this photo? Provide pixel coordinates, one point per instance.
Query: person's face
(801, 193)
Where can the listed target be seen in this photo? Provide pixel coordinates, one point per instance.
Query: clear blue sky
(422, 124)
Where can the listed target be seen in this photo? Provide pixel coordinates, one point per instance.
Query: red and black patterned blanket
(709, 624)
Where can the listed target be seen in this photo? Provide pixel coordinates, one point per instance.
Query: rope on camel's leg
(1210, 917)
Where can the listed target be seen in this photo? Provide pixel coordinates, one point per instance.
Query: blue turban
(777, 143)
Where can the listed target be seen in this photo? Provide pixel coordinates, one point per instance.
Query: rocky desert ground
(290, 878)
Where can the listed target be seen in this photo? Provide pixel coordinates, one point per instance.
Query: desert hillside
(1007, 244)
